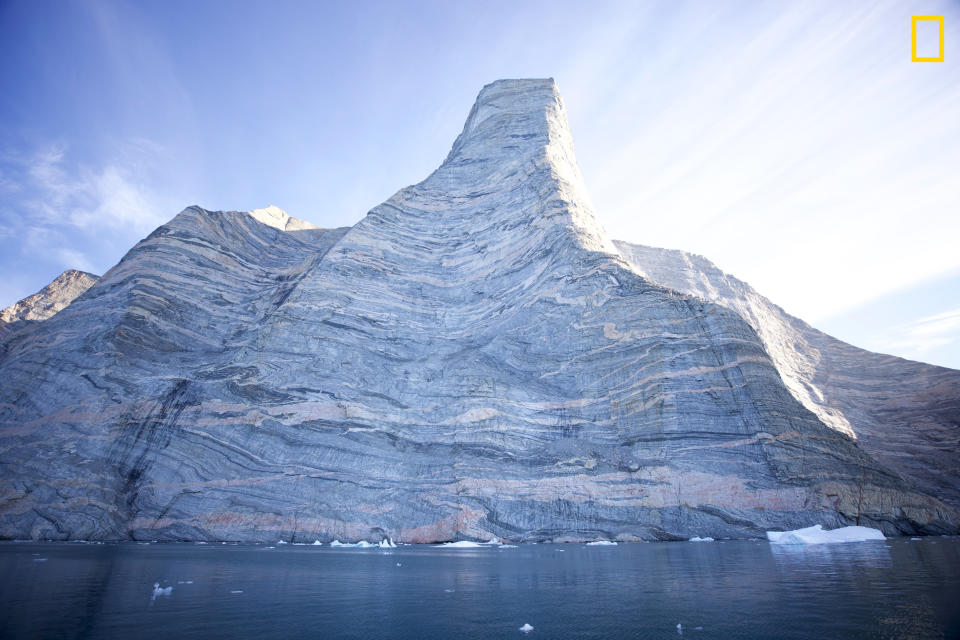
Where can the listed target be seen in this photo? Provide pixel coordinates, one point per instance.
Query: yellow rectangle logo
(913, 38)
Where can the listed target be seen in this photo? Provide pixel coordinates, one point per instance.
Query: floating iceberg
(602, 543)
(363, 544)
(699, 539)
(464, 544)
(526, 628)
(387, 543)
(161, 591)
(317, 543)
(817, 535)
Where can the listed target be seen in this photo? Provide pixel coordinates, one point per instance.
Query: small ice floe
(34, 554)
(363, 544)
(464, 544)
(317, 543)
(199, 542)
(817, 535)
(699, 539)
(269, 547)
(526, 628)
(449, 590)
(387, 543)
(602, 543)
(161, 591)
(509, 546)
(679, 629)
(399, 565)
(698, 628)
(236, 591)
(561, 550)
(39, 559)
(281, 542)
(916, 538)
(184, 581)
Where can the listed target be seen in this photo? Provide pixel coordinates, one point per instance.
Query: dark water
(893, 589)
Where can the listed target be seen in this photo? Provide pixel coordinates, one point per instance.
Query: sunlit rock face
(43, 304)
(474, 358)
(904, 414)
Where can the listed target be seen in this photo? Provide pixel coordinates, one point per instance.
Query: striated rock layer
(474, 358)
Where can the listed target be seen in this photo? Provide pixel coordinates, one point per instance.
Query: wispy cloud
(110, 196)
(57, 214)
(795, 145)
(924, 335)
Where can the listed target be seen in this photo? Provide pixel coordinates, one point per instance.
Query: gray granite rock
(474, 358)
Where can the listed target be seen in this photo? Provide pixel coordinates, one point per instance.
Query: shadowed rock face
(474, 358)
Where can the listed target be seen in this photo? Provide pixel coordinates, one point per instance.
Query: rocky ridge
(474, 358)
(45, 303)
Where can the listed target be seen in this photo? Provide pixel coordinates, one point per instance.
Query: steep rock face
(473, 358)
(44, 303)
(905, 414)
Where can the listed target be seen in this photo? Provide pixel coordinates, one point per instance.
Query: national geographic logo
(926, 40)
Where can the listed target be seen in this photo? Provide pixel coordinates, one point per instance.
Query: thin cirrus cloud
(926, 335)
(69, 216)
(807, 156)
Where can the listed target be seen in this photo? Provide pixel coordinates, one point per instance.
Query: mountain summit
(474, 358)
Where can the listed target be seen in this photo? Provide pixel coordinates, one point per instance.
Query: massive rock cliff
(474, 358)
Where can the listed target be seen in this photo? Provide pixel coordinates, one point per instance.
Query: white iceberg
(526, 628)
(602, 543)
(699, 539)
(363, 544)
(161, 591)
(387, 543)
(464, 544)
(817, 535)
(317, 543)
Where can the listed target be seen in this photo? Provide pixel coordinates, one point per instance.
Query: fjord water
(735, 589)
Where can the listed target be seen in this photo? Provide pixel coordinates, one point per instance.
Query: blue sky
(794, 144)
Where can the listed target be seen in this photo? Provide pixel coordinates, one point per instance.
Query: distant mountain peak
(278, 218)
(51, 299)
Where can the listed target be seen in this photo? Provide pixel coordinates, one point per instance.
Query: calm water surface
(737, 589)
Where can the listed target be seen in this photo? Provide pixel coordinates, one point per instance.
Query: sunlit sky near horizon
(793, 144)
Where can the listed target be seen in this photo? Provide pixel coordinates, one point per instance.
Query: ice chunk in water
(817, 535)
(602, 543)
(526, 628)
